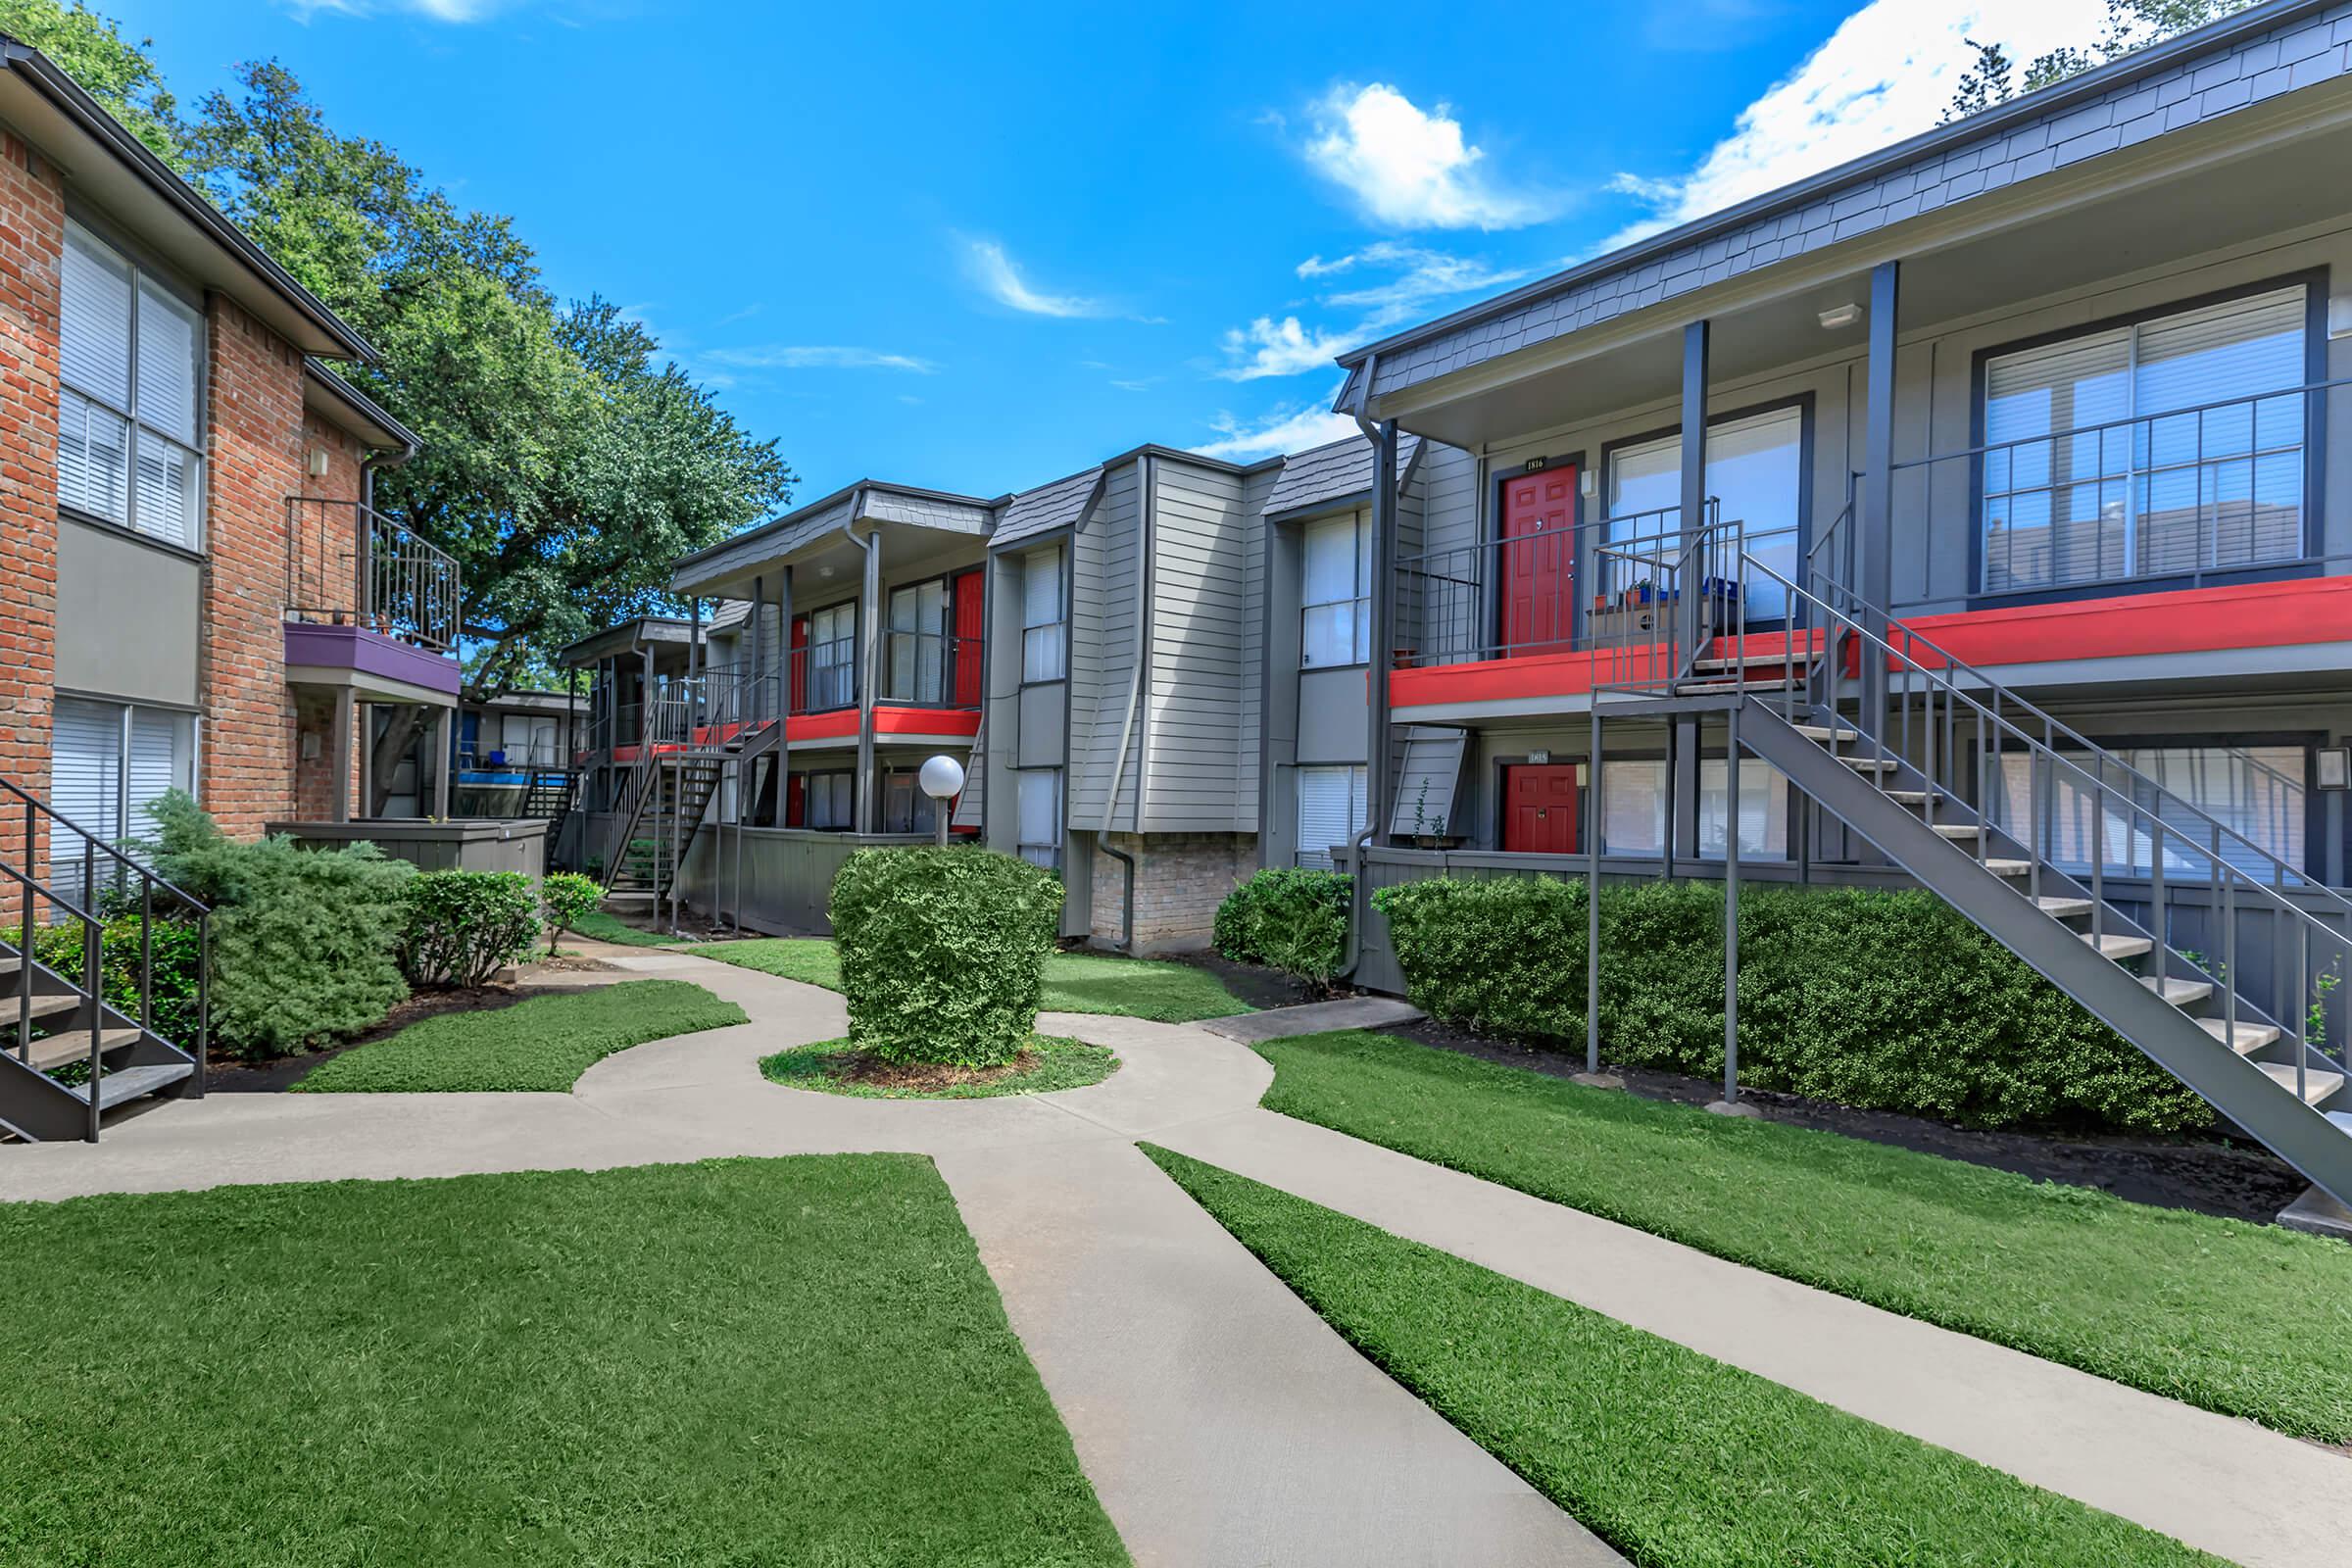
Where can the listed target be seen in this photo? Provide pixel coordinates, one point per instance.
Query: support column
(869, 674)
(444, 758)
(783, 765)
(366, 718)
(1876, 540)
(344, 717)
(1731, 1103)
(1682, 820)
(1382, 636)
(1592, 903)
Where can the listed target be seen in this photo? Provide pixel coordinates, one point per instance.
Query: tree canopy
(564, 462)
(2131, 26)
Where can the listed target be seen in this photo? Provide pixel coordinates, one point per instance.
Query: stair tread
(2000, 866)
(132, 1082)
(2059, 907)
(58, 1050)
(1824, 732)
(1884, 764)
(45, 1005)
(1956, 830)
(2316, 1084)
(2251, 1037)
(2179, 992)
(2118, 944)
(1906, 796)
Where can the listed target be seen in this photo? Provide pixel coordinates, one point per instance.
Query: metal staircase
(695, 732)
(68, 1056)
(2199, 946)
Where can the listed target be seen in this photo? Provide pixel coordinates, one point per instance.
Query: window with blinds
(130, 410)
(1633, 809)
(2165, 448)
(108, 762)
(832, 656)
(1044, 650)
(1336, 591)
(1332, 807)
(916, 666)
(1036, 807)
(831, 801)
(2258, 791)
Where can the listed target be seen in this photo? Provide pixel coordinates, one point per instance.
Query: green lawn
(602, 925)
(1677, 1460)
(1063, 1064)
(1075, 982)
(743, 1361)
(541, 1043)
(2248, 1320)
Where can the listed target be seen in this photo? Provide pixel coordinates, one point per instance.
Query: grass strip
(1673, 1459)
(1061, 1063)
(603, 925)
(2247, 1320)
(1075, 982)
(540, 1042)
(743, 1361)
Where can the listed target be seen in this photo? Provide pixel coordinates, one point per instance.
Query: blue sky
(975, 252)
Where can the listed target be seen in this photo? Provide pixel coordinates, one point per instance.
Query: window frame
(1358, 790)
(810, 647)
(2313, 863)
(943, 632)
(1597, 797)
(1360, 521)
(1059, 551)
(2313, 281)
(189, 770)
(1023, 846)
(143, 278)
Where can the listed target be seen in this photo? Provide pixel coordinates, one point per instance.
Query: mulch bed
(1259, 987)
(276, 1076)
(2209, 1176)
(925, 1077)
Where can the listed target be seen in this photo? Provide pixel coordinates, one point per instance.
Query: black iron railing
(349, 564)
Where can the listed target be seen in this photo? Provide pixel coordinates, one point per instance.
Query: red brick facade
(32, 236)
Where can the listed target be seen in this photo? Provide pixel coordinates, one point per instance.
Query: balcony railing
(930, 669)
(824, 676)
(2182, 498)
(349, 564)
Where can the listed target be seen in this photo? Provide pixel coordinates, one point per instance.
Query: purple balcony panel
(371, 655)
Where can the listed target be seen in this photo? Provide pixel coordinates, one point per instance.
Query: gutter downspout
(1383, 437)
(1146, 479)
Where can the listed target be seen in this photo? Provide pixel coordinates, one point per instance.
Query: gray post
(1593, 902)
(444, 759)
(342, 755)
(1730, 1104)
(1876, 538)
(1682, 816)
(869, 675)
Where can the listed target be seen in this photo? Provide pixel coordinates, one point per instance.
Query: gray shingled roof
(1324, 476)
(781, 536)
(2266, 49)
(1046, 509)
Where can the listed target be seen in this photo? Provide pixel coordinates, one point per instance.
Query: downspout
(1147, 478)
(1375, 677)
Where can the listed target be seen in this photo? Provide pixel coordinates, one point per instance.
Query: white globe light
(942, 778)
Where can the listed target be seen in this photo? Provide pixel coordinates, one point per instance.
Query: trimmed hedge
(303, 939)
(462, 927)
(1879, 999)
(1291, 920)
(943, 952)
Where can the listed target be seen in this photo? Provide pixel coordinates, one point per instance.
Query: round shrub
(570, 898)
(462, 927)
(1291, 920)
(943, 952)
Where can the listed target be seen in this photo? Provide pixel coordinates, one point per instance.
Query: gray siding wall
(126, 617)
(1250, 754)
(1105, 580)
(1201, 541)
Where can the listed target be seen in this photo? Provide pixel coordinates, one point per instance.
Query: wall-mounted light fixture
(2335, 767)
(318, 461)
(1838, 315)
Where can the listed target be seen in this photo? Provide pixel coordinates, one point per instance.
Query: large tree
(2131, 24)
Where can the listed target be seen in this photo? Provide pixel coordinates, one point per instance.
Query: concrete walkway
(1219, 1420)
(1315, 1017)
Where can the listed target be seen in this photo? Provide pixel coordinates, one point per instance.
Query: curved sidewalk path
(1220, 1421)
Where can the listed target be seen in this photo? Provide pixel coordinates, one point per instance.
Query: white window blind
(832, 801)
(130, 413)
(1037, 801)
(917, 653)
(2258, 791)
(1335, 587)
(832, 656)
(1043, 650)
(1331, 812)
(159, 752)
(2095, 471)
(1633, 809)
(85, 770)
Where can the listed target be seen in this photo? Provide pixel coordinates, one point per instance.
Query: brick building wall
(326, 538)
(33, 238)
(1180, 879)
(255, 463)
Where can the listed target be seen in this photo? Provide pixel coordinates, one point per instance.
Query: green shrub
(1880, 999)
(943, 952)
(570, 898)
(462, 927)
(172, 976)
(303, 939)
(1291, 920)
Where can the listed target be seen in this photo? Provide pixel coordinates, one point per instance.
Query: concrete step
(42, 1005)
(1825, 733)
(2115, 945)
(2179, 992)
(2003, 867)
(1957, 830)
(2062, 909)
(2317, 1086)
(1869, 764)
(1730, 688)
(2251, 1037)
(132, 1083)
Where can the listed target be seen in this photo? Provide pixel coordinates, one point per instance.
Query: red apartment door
(1539, 509)
(798, 662)
(796, 801)
(969, 608)
(1539, 810)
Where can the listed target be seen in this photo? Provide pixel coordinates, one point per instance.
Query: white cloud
(816, 356)
(1267, 347)
(1422, 276)
(1887, 73)
(1290, 428)
(1002, 282)
(1411, 168)
(1135, 386)
(456, 11)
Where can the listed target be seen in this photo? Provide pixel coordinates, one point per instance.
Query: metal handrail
(383, 574)
(92, 841)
